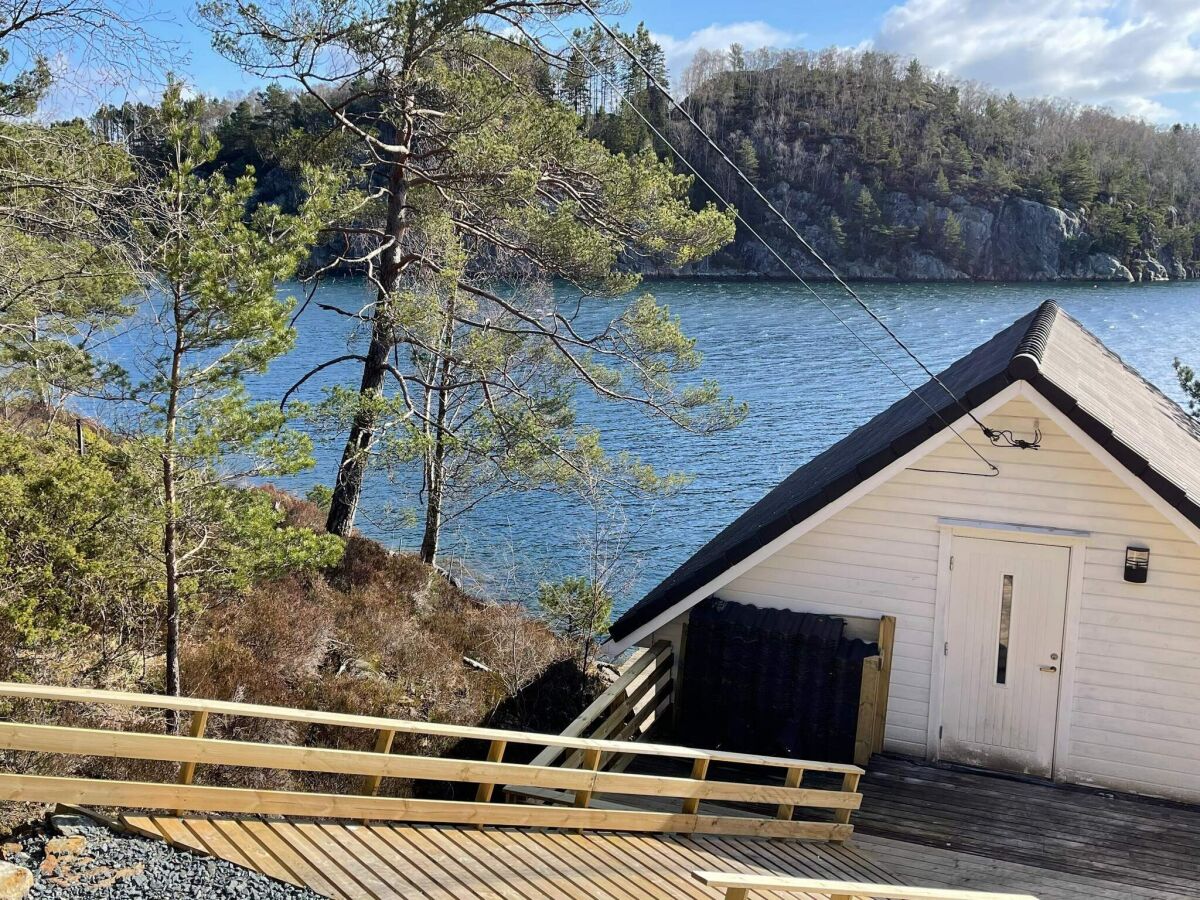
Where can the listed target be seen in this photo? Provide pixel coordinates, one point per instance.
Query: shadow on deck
(957, 828)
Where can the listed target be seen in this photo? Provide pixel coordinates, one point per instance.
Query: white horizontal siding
(1135, 719)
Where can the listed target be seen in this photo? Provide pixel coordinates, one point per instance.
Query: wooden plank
(793, 779)
(228, 831)
(375, 723)
(199, 723)
(362, 875)
(868, 698)
(302, 868)
(383, 874)
(142, 795)
(525, 862)
(887, 650)
(850, 786)
(699, 772)
(130, 745)
(597, 707)
(459, 878)
(591, 761)
(332, 868)
(636, 699)
(423, 883)
(383, 744)
(483, 794)
(850, 889)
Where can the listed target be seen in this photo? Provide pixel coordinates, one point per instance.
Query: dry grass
(382, 635)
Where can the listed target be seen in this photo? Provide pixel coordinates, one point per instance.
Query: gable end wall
(1135, 698)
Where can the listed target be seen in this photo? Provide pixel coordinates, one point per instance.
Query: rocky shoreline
(1014, 240)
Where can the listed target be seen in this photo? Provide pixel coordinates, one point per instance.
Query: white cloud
(1132, 55)
(751, 35)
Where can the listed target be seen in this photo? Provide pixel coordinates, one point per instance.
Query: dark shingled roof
(1142, 428)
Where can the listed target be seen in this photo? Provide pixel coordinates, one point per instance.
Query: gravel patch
(96, 862)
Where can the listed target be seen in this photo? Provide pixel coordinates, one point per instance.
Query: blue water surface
(806, 379)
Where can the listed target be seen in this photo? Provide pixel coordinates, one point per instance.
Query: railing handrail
(372, 767)
(737, 885)
(289, 757)
(376, 723)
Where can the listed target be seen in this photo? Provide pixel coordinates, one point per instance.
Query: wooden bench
(738, 887)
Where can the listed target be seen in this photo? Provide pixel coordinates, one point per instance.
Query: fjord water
(807, 381)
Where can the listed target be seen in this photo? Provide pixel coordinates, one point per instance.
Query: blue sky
(1139, 57)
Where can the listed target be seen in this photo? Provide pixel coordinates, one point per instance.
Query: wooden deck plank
(1108, 837)
(302, 868)
(439, 870)
(333, 867)
(248, 845)
(650, 849)
(378, 862)
(511, 846)
(589, 867)
(474, 882)
(385, 874)
(218, 844)
(421, 883)
(514, 880)
(362, 872)
(632, 860)
(949, 868)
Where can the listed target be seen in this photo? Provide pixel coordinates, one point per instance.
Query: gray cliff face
(1013, 240)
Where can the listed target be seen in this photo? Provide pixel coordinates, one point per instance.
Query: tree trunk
(171, 516)
(171, 558)
(435, 466)
(347, 487)
(355, 458)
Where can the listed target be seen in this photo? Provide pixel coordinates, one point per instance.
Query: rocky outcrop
(1015, 239)
(1102, 267)
(1028, 241)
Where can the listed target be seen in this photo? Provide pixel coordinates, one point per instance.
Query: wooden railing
(738, 887)
(584, 782)
(874, 690)
(624, 712)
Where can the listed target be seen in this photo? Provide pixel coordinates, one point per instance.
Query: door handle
(1049, 669)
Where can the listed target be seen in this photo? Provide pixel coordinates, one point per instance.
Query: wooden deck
(383, 860)
(967, 829)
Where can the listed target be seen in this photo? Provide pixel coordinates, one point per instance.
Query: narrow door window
(1006, 589)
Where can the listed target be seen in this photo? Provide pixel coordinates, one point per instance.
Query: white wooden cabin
(1025, 641)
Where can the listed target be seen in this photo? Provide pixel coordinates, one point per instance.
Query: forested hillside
(895, 172)
(890, 170)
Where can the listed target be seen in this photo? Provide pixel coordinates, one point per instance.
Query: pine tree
(212, 269)
(952, 240)
(483, 193)
(941, 185)
(747, 158)
(1077, 177)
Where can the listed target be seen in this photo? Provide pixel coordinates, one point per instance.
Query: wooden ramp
(381, 860)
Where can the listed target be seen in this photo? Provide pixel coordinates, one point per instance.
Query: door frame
(1076, 543)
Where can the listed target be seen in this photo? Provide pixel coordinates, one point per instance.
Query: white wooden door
(1003, 654)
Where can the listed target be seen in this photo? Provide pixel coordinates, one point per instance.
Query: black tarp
(770, 681)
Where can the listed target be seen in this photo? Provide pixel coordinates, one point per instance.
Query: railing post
(591, 760)
(887, 649)
(849, 785)
(483, 793)
(868, 699)
(383, 744)
(736, 893)
(699, 772)
(187, 770)
(794, 776)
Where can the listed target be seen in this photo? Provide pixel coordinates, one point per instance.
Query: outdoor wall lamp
(1137, 564)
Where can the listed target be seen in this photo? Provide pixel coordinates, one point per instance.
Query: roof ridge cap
(1026, 361)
